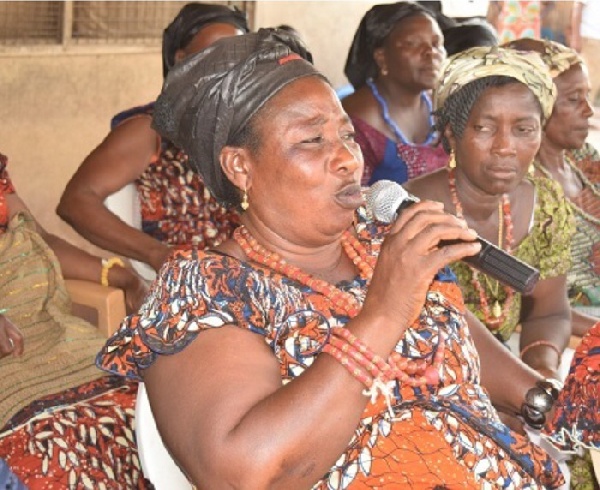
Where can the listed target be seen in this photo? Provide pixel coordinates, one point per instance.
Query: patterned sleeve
(190, 295)
(587, 160)
(553, 229)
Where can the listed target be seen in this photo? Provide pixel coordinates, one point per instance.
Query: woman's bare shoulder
(360, 104)
(433, 186)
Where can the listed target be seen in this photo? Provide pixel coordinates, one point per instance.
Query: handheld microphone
(387, 199)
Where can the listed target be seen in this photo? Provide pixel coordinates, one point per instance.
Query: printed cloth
(449, 436)
(547, 248)
(63, 424)
(480, 62)
(176, 207)
(584, 276)
(387, 160)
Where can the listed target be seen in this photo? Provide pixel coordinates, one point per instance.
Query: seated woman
(394, 60)
(565, 157)
(50, 385)
(175, 206)
(333, 351)
(491, 105)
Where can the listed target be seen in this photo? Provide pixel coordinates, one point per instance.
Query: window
(88, 23)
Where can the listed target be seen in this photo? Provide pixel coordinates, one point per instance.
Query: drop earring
(384, 72)
(531, 170)
(245, 204)
(452, 161)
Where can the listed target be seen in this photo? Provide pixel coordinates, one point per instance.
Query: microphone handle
(502, 266)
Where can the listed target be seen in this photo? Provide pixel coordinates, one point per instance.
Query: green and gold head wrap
(557, 57)
(481, 62)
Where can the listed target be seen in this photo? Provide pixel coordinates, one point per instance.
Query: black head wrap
(190, 19)
(208, 99)
(374, 28)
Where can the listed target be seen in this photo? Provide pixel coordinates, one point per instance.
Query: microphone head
(385, 197)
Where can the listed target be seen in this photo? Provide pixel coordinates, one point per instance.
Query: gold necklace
(586, 182)
(496, 308)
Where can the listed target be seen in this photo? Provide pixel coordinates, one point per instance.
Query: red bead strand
(365, 365)
(493, 322)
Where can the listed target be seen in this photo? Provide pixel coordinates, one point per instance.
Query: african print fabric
(547, 248)
(576, 421)
(79, 439)
(446, 437)
(176, 207)
(399, 162)
(584, 276)
(63, 424)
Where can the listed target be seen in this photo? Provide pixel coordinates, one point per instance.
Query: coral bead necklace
(494, 317)
(343, 302)
(415, 373)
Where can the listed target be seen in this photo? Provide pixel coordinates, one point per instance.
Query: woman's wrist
(541, 355)
(117, 274)
(539, 401)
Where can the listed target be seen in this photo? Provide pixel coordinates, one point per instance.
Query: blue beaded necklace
(385, 113)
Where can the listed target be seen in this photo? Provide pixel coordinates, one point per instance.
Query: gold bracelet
(106, 266)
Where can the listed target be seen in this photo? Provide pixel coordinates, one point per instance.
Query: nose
(433, 50)
(347, 156)
(588, 109)
(503, 143)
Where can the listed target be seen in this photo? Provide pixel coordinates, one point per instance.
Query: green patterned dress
(584, 277)
(547, 247)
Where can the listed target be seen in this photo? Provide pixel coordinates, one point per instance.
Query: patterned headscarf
(558, 57)
(208, 99)
(481, 62)
(190, 20)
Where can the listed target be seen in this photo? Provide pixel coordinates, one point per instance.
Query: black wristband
(539, 401)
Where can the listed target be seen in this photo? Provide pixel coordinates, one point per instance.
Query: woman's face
(413, 53)
(304, 178)
(207, 36)
(501, 138)
(568, 127)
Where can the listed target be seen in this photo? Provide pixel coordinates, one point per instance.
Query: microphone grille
(384, 198)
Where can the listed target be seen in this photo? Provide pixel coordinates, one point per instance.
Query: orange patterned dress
(446, 437)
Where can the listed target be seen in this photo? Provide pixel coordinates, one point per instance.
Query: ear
(449, 134)
(179, 55)
(236, 165)
(379, 57)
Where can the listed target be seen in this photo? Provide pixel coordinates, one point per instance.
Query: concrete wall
(327, 27)
(56, 106)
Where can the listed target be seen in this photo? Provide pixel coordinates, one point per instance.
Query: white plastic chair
(157, 464)
(125, 204)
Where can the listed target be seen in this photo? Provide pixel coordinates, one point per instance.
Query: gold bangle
(106, 266)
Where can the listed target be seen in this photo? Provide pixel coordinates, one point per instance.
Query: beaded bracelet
(106, 266)
(537, 343)
(539, 401)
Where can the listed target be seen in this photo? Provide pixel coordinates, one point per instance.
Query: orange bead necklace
(415, 373)
(343, 302)
(494, 317)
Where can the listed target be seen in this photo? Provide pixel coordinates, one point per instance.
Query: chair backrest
(126, 205)
(157, 464)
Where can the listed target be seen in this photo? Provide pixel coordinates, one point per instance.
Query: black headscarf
(208, 99)
(374, 28)
(190, 19)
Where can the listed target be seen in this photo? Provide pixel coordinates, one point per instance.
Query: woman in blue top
(393, 63)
